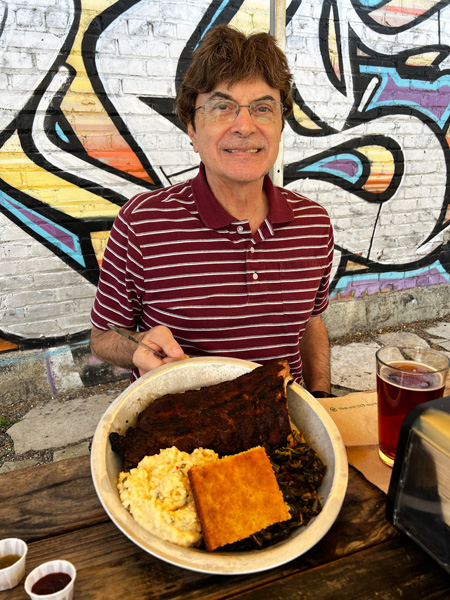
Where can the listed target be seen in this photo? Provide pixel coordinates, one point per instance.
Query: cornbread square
(237, 496)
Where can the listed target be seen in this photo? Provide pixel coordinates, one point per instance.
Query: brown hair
(227, 55)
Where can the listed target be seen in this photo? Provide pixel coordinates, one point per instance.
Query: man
(225, 263)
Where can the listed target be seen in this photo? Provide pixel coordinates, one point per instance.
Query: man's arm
(110, 347)
(315, 353)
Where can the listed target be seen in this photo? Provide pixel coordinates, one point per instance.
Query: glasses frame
(239, 106)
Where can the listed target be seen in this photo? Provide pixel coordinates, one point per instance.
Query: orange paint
(124, 160)
(5, 346)
(377, 183)
(102, 141)
(415, 12)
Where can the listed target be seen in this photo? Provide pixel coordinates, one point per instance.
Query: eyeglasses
(225, 111)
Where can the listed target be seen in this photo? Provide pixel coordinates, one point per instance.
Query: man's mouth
(240, 150)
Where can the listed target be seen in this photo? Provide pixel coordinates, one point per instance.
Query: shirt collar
(214, 216)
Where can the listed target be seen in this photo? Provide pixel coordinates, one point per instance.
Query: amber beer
(403, 384)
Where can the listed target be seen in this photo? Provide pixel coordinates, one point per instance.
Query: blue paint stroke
(369, 3)
(56, 235)
(220, 9)
(346, 166)
(60, 133)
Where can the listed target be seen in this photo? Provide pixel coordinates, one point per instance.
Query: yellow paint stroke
(17, 170)
(99, 240)
(303, 119)
(382, 168)
(353, 266)
(425, 59)
(252, 17)
(86, 114)
(332, 45)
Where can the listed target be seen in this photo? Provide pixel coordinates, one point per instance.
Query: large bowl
(305, 412)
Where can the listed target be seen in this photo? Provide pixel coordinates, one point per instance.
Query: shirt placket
(256, 287)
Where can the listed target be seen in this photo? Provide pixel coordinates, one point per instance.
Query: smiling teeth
(253, 150)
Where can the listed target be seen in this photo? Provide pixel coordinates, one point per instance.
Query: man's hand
(111, 347)
(160, 338)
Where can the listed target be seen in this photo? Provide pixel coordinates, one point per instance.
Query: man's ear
(193, 136)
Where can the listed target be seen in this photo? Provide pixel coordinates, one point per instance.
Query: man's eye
(222, 107)
(263, 109)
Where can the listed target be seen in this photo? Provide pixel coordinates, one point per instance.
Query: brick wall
(87, 120)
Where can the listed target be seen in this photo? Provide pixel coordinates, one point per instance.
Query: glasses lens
(221, 110)
(265, 110)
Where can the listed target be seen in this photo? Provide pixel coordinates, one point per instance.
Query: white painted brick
(14, 58)
(44, 310)
(11, 316)
(74, 323)
(164, 30)
(118, 66)
(43, 4)
(168, 9)
(36, 329)
(72, 293)
(146, 11)
(138, 27)
(161, 68)
(147, 48)
(57, 19)
(141, 86)
(33, 19)
(184, 30)
(15, 283)
(176, 48)
(108, 47)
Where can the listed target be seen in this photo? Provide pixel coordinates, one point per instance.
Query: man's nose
(244, 120)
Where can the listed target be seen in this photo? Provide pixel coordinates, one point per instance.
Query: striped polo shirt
(175, 257)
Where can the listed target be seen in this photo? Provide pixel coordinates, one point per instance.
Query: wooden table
(55, 509)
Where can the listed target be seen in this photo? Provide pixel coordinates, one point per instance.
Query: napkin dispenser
(418, 500)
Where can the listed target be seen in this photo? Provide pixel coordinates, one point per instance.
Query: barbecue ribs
(227, 417)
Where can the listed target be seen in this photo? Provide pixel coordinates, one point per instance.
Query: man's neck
(245, 202)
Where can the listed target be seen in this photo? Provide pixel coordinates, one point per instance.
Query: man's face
(244, 150)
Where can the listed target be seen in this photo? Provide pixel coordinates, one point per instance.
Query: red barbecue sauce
(51, 583)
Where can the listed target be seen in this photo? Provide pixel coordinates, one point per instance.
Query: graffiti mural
(381, 130)
(87, 120)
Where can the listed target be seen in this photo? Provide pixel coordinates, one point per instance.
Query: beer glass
(407, 375)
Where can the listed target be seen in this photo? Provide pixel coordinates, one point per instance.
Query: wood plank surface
(395, 570)
(109, 565)
(55, 508)
(58, 502)
(48, 499)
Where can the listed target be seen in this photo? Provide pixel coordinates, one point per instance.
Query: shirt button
(255, 275)
(252, 249)
(240, 229)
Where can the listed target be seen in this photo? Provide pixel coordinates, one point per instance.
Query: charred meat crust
(228, 417)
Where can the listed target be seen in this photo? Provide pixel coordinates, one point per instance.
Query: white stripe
(268, 325)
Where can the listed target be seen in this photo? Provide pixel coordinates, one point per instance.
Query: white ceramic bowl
(52, 566)
(306, 413)
(10, 576)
